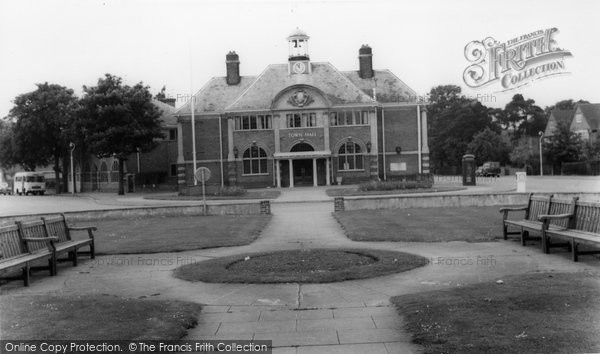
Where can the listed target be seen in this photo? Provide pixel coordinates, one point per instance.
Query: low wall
(455, 200)
(250, 208)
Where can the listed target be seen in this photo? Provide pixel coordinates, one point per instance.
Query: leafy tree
(563, 105)
(6, 143)
(522, 117)
(40, 132)
(118, 119)
(488, 145)
(454, 120)
(563, 146)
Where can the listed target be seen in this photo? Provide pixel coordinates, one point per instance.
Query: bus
(29, 183)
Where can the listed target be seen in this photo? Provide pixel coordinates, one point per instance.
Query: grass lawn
(347, 192)
(300, 266)
(250, 194)
(532, 313)
(173, 234)
(100, 317)
(472, 224)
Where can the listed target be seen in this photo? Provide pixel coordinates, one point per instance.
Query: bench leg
(545, 242)
(524, 237)
(505, 231)
(52, 267)
(92, 251)
(26, 271)
(574, 249)
(74, 255)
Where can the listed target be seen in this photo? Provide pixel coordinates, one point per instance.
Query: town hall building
(303, 123)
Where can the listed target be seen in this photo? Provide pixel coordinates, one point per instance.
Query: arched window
(255, 161)
(114, 176)
(350, 157)
(103, 172)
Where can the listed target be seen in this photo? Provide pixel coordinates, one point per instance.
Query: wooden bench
(536, 206)
(59, 228)
(24, 244)
(582, 226)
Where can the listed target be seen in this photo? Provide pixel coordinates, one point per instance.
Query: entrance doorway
(303, 172)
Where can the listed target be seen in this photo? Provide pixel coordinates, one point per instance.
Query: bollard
(265, 207)
(338, 204)
(521, 182)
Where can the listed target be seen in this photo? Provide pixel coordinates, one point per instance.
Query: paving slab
(371, 348)
(300, 338)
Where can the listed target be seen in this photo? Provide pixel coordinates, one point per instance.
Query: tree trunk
(121, 177)
(57, 173)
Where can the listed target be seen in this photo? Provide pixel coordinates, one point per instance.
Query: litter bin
(468, 170)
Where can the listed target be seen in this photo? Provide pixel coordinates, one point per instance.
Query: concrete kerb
(240, 208)
(447, 200)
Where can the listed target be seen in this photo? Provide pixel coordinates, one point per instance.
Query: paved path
(346, 317)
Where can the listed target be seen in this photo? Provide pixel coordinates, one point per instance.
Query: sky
(182, 44)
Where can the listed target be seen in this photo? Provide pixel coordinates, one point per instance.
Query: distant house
(586, 121)
(558, 116)
(152, 169)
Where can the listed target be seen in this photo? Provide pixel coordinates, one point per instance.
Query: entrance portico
(300, 165)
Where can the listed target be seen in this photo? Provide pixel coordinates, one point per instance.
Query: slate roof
(257, 92)
(166, 117)
(338, 89)
(215, 96)
(563, 115)
(390, 89)
(591, 112)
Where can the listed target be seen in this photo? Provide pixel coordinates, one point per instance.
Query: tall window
(103, 172)
(253, 122)
(114, 176)
(349, 118)
(350, 157)
(300, 120)
(255, 161)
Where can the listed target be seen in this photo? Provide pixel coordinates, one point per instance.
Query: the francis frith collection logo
(515, 63)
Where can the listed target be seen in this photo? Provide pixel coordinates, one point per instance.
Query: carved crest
(300, 99)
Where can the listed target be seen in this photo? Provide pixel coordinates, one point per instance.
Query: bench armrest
(89, 229)
(40, 239)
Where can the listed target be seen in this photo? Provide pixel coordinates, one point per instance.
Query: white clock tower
(299, 61)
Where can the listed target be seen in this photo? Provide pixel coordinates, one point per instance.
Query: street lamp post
(541, 134)
(72, 147)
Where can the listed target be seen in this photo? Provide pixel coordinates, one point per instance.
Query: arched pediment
(300, 97)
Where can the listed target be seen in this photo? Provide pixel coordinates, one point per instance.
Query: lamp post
(541, 134)
(72, 147)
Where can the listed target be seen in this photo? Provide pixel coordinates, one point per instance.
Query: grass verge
(349, 192)
(173, 234)
(300, 266)
(471, 224)
(532, 313)
(94, 317)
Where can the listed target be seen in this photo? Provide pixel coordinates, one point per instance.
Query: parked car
(489, 169)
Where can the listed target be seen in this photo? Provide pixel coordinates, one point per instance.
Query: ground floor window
(255, 161)
(350, 157)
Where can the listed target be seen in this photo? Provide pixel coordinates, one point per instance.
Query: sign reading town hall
(303, 123)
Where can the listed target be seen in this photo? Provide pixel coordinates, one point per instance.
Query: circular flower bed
(300, 266)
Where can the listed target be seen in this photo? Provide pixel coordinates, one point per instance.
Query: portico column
(278, 173)
(291, 173)
(327, 174)
(314, 172)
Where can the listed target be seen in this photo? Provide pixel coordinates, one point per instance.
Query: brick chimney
(365, 60)
(233, 68)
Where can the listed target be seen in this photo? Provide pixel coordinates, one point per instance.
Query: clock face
(299, 67)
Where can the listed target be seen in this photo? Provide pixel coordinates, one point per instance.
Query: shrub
(231, 191)
(392, 185)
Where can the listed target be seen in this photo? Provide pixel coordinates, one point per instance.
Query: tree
(563, 105)
(40, 132)
(6, 143)
(563, 146)
(454, 120)
(118, 119)
(522, 154)
(488, 145)
(523, 118)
